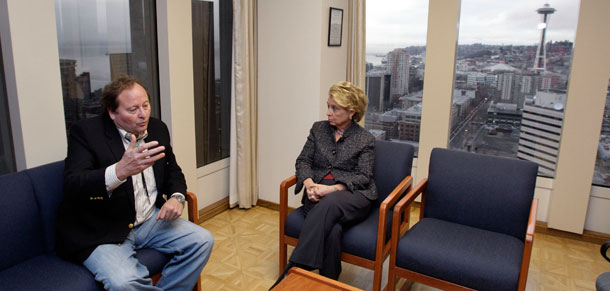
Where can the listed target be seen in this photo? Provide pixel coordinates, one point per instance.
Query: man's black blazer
(88, 217)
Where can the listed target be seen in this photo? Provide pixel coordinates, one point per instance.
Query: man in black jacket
(118, 167)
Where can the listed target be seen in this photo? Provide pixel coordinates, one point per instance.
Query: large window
(512, 69)
(395, 58)
(99, 41)
(601, 176)
(212, 47)
(7, 156)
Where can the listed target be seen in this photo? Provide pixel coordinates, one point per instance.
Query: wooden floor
(245, 257)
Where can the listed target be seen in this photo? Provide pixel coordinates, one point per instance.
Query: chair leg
(391, 279)
(377, 276)
(283, 255)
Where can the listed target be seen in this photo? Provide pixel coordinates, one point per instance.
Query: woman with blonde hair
(336, 169)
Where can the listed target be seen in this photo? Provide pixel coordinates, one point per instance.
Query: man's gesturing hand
(137, 158)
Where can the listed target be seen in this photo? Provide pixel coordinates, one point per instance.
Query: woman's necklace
(338, 132)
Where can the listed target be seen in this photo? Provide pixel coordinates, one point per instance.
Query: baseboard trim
(213, 209)
(271, 205)
(587, 236)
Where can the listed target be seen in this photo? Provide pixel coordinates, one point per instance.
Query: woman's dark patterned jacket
(350, 159)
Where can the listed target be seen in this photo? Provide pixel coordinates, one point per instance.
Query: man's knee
(207, 239)
(203, 239)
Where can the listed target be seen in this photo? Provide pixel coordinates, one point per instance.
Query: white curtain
(243, 189)
(356, 49)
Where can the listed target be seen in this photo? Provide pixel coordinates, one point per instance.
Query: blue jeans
(117, 268)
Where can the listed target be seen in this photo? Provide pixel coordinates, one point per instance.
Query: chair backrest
(393, 162)
(485, 192)
(48, 183)
(29, 201)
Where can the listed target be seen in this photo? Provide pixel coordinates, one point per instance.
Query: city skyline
(486, 22)
(507, 100)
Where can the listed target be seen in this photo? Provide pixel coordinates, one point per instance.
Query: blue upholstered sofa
(28, 204)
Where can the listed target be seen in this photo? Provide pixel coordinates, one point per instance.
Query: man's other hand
(171, 210)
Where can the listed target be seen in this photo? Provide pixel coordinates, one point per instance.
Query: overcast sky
(399, 23)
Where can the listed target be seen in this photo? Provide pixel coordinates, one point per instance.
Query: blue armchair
(476, 226)
(365, 244)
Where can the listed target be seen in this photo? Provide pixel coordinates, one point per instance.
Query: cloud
(481, 21)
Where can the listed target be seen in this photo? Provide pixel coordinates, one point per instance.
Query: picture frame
(335, 26)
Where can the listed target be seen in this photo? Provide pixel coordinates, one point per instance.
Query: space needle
(540, 62)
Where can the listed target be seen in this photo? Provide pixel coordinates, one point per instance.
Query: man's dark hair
(113, 89)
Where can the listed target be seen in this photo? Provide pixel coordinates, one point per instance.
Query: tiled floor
(245, 257)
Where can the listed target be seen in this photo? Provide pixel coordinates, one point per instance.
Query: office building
(398, 65)
(541, 130)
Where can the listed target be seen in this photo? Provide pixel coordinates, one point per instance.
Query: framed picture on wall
(335, 26)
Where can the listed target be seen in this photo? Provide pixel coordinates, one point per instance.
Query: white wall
(333, 60)
(295, 70)
(33, 85)
(583, 118)
(209, 183)
(176, 83)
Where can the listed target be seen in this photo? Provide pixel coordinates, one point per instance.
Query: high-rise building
(67, 69)
(120, 65)
(541, 130)
(84, 82)
(409, 126)
(398, 64)
(378, 90)
(528, 85)
(507, 86)
(540, 61)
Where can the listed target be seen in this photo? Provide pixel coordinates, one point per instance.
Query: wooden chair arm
(531, 222)
(192, 209)
(387, 203)
(399, 210)
(527, 248)
(284, 186)
(398, 229)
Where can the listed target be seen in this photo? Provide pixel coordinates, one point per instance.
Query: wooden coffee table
(299, 279)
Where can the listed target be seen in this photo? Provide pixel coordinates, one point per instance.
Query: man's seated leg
(190, 245)
(118, 269)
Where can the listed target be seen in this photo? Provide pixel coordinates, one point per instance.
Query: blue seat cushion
(47, 272)
(464, 255)
(359, 239)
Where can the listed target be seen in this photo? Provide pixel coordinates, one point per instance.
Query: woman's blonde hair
(350, 97)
